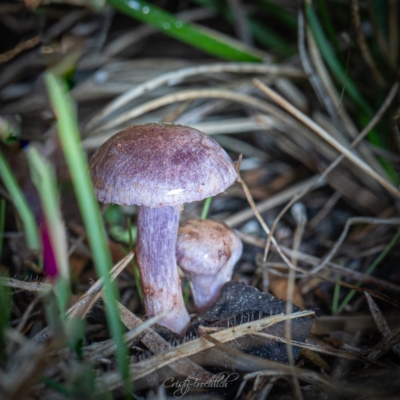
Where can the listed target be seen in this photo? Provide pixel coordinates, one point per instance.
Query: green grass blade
(136, 272)
(136, 276)
(20, 203)
(130, 236)
(350, 88)
(333, 63)
(205, 39)
(71, 143)
(265, 36)
(2, 222)
(206, 208)
(369, 271)
(43, 177)
(58, 387)
(336, 294)
(284, 16)
(327, 20)
(374, 138)
(270, 39)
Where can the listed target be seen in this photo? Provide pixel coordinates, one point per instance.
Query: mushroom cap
(206, 248)
(158, 165)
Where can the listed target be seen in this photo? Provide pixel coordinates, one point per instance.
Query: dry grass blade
(331, 351)
(259, 217)
(282, 251)
(108, 348)
(274, 200)
(336, 268)
(349, 222)
(156, 344)
(314, 78)
(325, 209)
(185, 95)
(307, 376)
(362, 44)
(24, 370)
(242, 28)
(339, 108)
(25, 318)
(385, 344)
(87, 300)
(299, 215)
(143, 368)
(380, 321)
(178, 76)
(28, 286)
(335, 163)
(328, 138)
(326, 324)
(312, 260)
(287, 261)
(231, 125)
(28, 44)
(272, 367)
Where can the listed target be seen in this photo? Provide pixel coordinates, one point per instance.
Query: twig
(325, 209)
(28, 44)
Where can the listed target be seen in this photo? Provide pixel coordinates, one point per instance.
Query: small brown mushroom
(159, 167)
(207, 251)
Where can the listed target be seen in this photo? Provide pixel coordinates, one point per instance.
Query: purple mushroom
(159, 167)
(207, 251)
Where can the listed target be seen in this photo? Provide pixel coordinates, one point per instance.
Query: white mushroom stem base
(205, 289)
(161, 286)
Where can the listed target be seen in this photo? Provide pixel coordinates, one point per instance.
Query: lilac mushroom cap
(159, 167)
(207, 251)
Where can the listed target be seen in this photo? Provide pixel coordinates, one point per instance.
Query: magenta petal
(49, 259)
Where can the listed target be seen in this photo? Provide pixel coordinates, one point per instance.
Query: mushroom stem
(161, 286)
